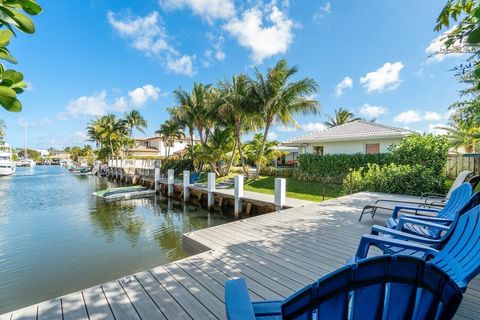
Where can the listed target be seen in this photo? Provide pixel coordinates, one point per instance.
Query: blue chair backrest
(383, 287)
(460, 255)
(460, 196)
(194, 177)
(458, 199)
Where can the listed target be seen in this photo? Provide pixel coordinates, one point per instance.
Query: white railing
(132, 163)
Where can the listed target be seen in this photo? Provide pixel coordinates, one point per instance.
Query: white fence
(133, 163)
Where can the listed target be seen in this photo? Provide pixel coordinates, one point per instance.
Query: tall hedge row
(334, 167)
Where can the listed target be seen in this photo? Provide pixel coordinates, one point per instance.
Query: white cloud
(372, 111)
(322, 11)
(100, 104)
(313, 126)
(271, 136)
(207, 9)
(80, 136)
(140, 96)
(386, 77)
(287, 129)
(146, 33)
(149, 36)
(410, 116)
(182, 65)
(432, 116)
(436, 50)
(252, 31)
(346, 83)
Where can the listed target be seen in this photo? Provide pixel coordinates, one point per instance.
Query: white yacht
(7, 165)
(25, 162)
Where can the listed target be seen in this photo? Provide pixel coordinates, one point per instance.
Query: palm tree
(3, 129)
(170, 131)
(135, 120)
(459, 137)
(108, 130)
(342, 116)
(271, 151)
(236, 110)
(278, 99)
(217, 151)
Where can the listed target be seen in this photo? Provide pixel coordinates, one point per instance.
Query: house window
(318, 150)
(372, 148)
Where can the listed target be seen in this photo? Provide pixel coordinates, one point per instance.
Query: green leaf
(30, 6)
(20, 20)
(5, 54)
(5, 36)
(13, 75)
(474, 36)
(8, 100)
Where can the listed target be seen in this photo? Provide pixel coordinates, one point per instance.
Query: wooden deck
(277, 253)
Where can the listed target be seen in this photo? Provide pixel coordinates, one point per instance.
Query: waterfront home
(354, 137)
(156, 147)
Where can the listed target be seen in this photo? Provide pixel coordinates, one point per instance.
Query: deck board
(276, 253)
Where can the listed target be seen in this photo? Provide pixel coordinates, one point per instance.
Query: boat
(25, 162)
(7, 165)
(123, 193)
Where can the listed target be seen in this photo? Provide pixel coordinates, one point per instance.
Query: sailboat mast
(25, 152)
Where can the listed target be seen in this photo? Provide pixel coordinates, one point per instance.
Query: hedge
(334, 167)
(393, 178)
(176, 164)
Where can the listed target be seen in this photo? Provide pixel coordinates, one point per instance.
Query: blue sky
(91, 57)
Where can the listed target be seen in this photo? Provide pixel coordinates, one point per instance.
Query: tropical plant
(13, 14)
(278, 100)
(109, 133)
(170, 131)
(270, 152)
(134, 120)
(462, 137)
(342, 116)
(218, 150)
(236, 109)
(3, 130)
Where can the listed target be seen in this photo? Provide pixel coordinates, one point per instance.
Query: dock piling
(170, 178)
(157, 179)
(238, 193)
(186, 185)
(280, 193)
(211, 190)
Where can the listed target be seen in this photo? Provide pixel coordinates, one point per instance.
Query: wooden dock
(277, 253)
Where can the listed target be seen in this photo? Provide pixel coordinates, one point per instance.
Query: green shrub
(268, 171)
(176, 164)
(392, 178)
(334, 167)
(427, 150)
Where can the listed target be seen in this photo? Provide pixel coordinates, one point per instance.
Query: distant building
(154, 146)
(353, 137)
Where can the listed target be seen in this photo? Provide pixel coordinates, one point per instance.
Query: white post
(186, 185)
(211, 190)
(170, 177)
(157, 179)
(238, 193)
(280, 193)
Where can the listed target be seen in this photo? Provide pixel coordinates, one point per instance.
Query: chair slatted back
(460, 256)
(461, 178)
(460, 196)
(388, 287)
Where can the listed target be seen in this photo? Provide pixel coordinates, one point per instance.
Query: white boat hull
(7, 169)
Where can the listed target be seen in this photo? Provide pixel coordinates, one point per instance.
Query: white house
(154, 146)
(353, 137)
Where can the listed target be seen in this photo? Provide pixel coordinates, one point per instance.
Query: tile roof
(356, 130)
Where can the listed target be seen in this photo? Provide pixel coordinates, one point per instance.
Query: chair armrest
(400, 201)
(376, 230)
(372, 240)
(422, 223)
(400, 208)
(426, 218)
(432, 194)
(237, 301)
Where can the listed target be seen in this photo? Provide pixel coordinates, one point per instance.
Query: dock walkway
(277, 253)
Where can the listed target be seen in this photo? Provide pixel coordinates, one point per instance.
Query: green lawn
(312, 191)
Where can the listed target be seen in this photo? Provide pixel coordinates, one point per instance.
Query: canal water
(56, 238)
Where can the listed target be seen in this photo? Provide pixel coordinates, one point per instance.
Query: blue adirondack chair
(445, 216)
(427, 223)
(194, 177)
(458, 255)
(385, 287)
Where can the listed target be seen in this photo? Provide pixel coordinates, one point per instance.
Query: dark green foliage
(176, 164)
(427, 150)
(334, 167)
(392, 178)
